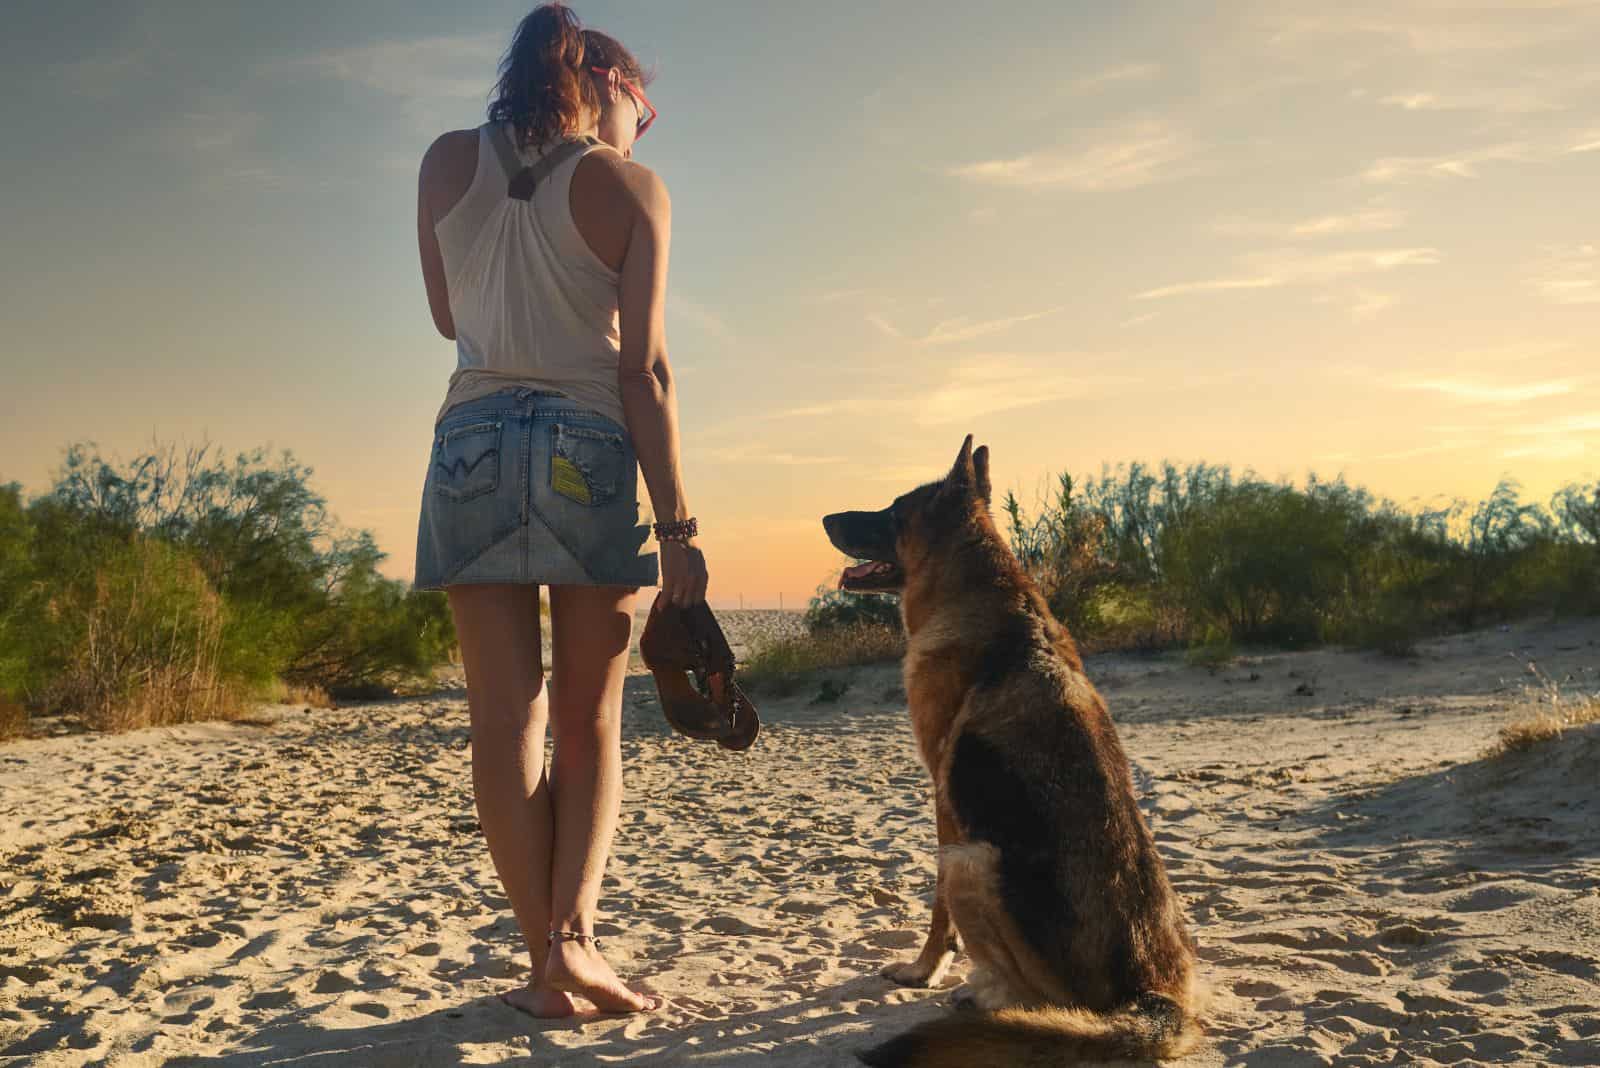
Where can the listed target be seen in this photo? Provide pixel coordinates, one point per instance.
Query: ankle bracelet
(574, 936)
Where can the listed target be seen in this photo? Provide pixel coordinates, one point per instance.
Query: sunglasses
(642, 105)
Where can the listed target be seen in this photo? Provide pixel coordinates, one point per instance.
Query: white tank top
(532, 304)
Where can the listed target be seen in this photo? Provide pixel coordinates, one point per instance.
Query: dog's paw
(910, 973)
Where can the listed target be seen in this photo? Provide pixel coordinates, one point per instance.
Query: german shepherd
(1047, 872)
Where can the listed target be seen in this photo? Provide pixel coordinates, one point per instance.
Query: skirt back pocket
(587, 465)
(466, 460)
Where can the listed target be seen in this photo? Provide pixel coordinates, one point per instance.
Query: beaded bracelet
(680, 531)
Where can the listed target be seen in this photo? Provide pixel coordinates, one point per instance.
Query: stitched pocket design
(466, 460)
(586, 465)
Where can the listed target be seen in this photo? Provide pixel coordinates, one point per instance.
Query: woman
(544, 253)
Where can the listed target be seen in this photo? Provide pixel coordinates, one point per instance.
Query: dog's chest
(935, 692)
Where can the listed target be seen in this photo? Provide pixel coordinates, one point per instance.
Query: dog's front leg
(943, 942)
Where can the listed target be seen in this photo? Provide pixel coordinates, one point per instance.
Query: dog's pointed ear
(963, 474)
(980, 469)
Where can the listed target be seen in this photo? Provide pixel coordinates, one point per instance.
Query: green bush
(1213, 650)
(783, 667)
(1143, 556)
(177, 585)
(19, 598)
(835, 609)
(141, 644)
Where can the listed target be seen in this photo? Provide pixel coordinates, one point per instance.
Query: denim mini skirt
(525, 486)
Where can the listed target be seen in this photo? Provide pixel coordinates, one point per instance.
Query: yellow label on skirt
(567, 480)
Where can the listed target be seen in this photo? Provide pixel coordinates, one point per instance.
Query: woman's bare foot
(578, 968)
(540, 1002)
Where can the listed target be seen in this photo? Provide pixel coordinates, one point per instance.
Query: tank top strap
(523, 178)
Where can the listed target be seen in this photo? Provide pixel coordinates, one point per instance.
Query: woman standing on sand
(544, 253)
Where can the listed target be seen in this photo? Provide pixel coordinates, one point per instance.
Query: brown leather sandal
(712, 708)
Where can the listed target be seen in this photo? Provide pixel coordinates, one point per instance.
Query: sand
(309, 888)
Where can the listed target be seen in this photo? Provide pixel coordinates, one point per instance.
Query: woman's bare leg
(498, 628)
(592, 627)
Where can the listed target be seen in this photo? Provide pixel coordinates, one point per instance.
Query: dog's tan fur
(1078, 941)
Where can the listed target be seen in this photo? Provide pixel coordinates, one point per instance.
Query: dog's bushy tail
(1151, 1027)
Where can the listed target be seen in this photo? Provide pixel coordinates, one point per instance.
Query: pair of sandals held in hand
(712, 707)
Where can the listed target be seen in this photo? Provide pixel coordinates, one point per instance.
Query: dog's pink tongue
(854, 573)
(858, 572)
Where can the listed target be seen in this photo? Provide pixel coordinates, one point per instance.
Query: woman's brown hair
(545, 83)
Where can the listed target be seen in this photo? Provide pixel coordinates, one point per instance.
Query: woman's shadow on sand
(830, 1021)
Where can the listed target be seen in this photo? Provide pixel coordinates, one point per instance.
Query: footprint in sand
(1479, 981)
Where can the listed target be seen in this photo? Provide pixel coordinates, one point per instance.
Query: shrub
(178, 585)
(1143, 556)
(1214, 650)
(13, 719)
(371, 635)
(18, 599)
(142, 643)
(1391, 624)
(1546, 713)
(835, 609)
(782, 667)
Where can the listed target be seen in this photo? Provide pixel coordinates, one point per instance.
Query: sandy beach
(309, 887)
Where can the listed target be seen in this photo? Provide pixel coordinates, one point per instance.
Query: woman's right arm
(443, 179)
(648, 397)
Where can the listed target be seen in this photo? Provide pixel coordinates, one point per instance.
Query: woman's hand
(683, 573)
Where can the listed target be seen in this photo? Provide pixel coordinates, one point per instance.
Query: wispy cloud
(1482, 391)
(1436, 29)
(217, 128)
(1209, 285)
(961, 328)
(106, 74)
(1467, 164)
(1421, 450)
(430, 79)
(1553, 449)
(1581, 423)
(964, 328)
(422, 67)
(1125, 74)
(1501, 100)
(1317, 226)
(971, 389)
(1270, 270)
(1567, 274)
(1368, 305)
(1124, 157)
(761, 454)
(221, 141)
(885, 327)
(1564, 438)
(699, 317)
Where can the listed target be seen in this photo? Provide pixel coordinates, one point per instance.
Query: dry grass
(308, 696)
(784, 666)
(150, 653)
(1547, 714)
(13, 719)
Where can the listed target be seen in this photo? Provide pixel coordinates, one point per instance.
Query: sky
(1354, 238)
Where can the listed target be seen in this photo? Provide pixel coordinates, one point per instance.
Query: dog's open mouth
(875, 576)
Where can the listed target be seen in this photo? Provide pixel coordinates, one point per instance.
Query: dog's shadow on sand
(821, 1020)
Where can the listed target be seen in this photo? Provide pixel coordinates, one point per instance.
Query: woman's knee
(587, 726)
(509, 708)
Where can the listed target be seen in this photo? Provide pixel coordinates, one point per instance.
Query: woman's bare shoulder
(448, 168)
(610, 174)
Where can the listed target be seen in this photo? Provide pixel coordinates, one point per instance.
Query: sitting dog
(1047, 872)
